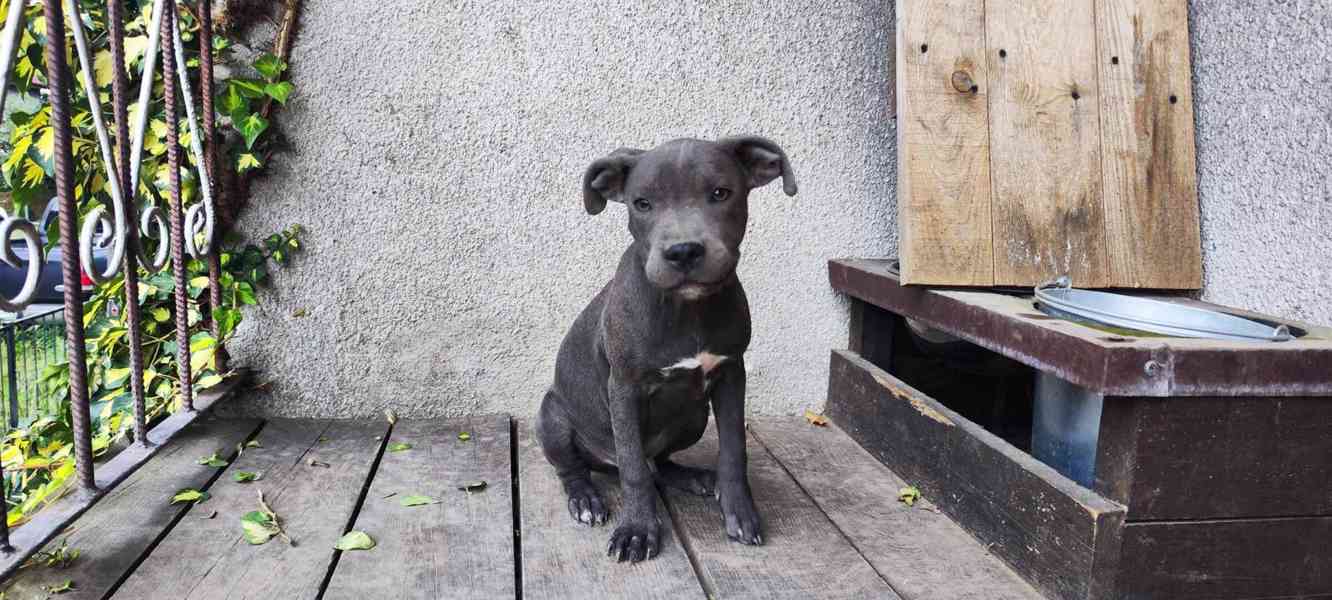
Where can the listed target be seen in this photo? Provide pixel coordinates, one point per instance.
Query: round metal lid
(1058, 298)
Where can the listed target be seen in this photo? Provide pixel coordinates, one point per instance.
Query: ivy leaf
(245, 476)
(68, 585)
(189, 495)
(250, 88)
(399, 446)
(247, 161)
(908, 495)
(464, 436)
(417, 500)
(212, 461)
(355, 540)
(251, 127)
(258, 527)
(233, 103)
(279, 91)
(270, 66)
(104, 69)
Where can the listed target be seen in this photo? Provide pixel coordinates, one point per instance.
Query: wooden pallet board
(563, 559)
(804, 554)
(116, 532)
(460, 547)
(209, 558)
(1040, 138)
(906, 544)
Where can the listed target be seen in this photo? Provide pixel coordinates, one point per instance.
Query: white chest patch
(703, 360)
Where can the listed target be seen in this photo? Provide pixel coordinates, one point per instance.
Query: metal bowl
(1058, 298)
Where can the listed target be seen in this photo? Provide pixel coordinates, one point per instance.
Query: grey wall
(438, 146)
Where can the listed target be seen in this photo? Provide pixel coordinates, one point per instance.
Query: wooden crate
(1211, 475)
(1039, 138)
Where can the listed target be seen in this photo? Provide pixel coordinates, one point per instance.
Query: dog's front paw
(633, 541)
(738, 513)
(585, 504)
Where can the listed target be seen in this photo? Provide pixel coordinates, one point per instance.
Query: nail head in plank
(803, 555)
(1147, 141)
(563, 559)
(943, 143)
(921, 552)
(461, 546)
(1045, 144)
(314, 504)
(116, 531)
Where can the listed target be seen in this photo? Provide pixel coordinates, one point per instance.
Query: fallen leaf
(314, 463)
(62, 588)
(258, 527)
(323, 438)
(473, 486)
(391, 416)
(355, 540)
(399, 446)
(299, 313)
(212, 460)
(210, 515)
(253, 444)
(417, 500)
(245, 476)
(464, 436)
(189, 495)
(909, 495)
(816, 418)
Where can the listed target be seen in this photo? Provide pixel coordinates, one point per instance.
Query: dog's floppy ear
(605, 177)
(763, 160)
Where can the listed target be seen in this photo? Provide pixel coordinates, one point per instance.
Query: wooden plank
(113, 534)
(1232, 559)
(1061, 537)
(561, 559)
(1102, 362)
(803, 555)
(943, 178)
(1045, 145)
(53, 519)
(462, 547)
(919, 551)
(209, 558)
(1147, 147)
(1213, 458)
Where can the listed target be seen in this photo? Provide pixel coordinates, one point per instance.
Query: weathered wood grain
(943, 176)
(209, 558)
(1227, 560)
(919, 551)
(113, 534)
(1214, 458)
(1045, 144)
(562, 559)
(462, 547)
(1059, 536)
(1147, 146)
(804, 554)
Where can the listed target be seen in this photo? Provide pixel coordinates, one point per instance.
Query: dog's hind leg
(557, 443)
(694, 480)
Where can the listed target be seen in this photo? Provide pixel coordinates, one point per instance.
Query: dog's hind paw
(701, 482)
(585, 504)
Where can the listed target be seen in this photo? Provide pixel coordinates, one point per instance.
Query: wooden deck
(833, 527)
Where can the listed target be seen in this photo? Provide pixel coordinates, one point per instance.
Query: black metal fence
(28, 346)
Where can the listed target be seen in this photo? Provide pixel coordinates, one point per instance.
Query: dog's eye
(720, 194)
(642, 204)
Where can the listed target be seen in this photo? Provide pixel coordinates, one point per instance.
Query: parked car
(49, 288)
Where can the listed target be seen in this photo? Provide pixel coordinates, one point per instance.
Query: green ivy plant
(37, 456)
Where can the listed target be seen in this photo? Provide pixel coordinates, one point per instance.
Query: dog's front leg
(737, 503)
(636, 536)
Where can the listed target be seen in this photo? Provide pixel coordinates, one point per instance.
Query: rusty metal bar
(57, 73)
(178, 257)
(210, 166)
(133, 316)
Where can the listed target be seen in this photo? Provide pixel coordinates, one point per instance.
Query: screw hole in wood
(924, 48)
(1003, 53)
(1174, 99)
(1114, 60)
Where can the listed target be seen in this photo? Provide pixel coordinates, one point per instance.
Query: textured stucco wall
(438, 146)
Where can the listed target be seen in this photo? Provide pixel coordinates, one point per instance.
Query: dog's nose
(684, 256)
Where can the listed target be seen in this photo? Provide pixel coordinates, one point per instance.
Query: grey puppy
(663, 340)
